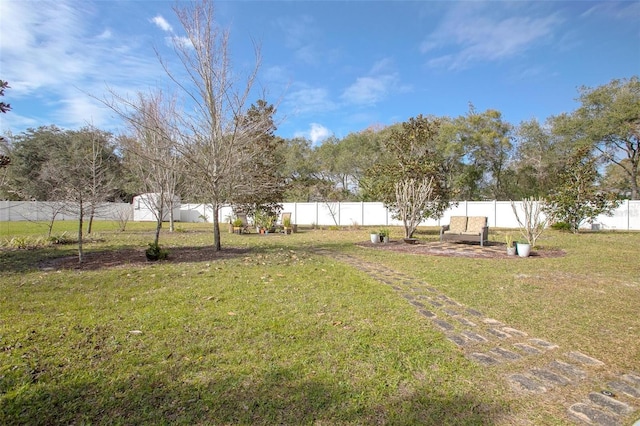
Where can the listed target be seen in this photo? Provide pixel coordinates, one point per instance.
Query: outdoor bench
(466, 228)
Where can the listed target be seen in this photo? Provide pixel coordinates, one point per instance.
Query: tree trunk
(171, 219)
(159, 223)
(80, 223)
(216, 227)
(91, 214)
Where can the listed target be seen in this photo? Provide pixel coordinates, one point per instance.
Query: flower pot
(524, 249)
(385, 239)
(511, 251)
(375, 238)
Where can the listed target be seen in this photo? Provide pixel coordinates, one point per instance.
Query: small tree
(412, 178)
(533, 222)
(415, 200)
(578, 198)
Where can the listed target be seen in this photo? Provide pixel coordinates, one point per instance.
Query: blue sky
(332, 67)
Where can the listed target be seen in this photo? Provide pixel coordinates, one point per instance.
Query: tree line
(223, 149)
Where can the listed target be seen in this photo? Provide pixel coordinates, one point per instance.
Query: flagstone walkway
(492, 343)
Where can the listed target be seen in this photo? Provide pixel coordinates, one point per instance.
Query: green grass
(281, 335)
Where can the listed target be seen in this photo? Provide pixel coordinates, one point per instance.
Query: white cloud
(55, 54)
(380, 82)
(162, 24)
(476, 35)
(307, 100)
(316, 133)
(368, 90)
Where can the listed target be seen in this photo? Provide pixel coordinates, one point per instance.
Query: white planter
(375, 238)
(511, 251)
(524, 249)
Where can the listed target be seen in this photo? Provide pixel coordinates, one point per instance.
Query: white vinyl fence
(499, 213)
(12, 211)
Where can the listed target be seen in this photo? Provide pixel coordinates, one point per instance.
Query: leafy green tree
(484, 147)
(305, 179)
(30, 151)
(615, 179)
(345, 161)
(263, 181)
(539, 158)
(4, 108)
(412, 179)
(609, 120)
(579, 198)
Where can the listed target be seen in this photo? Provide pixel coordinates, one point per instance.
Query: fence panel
(499, 213)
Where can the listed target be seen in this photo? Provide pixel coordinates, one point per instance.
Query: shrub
(155, 252)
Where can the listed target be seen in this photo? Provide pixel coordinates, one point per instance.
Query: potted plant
(524, 248)
(511, 250)
(286, 224)
(384, 235)
(375, 237)
(237, 225)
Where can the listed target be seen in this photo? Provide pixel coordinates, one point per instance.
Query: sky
(331, 67)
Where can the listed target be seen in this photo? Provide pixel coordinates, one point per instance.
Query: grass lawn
(274, 332)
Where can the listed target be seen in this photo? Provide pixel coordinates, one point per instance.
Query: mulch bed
(492, 250)
(132, 257)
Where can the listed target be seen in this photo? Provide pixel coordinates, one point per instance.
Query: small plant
(237, 222)
(286, 222)
(509, 240)
(155, 252)
(561, 226)
(61, 239)
(383, 233)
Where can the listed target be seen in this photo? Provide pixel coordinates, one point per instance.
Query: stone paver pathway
(490, 343)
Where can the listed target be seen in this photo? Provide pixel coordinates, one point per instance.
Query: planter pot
(511, 251)
(237, 230)
(524, 249)
(385, 239)
(375, 238)
(287, 230)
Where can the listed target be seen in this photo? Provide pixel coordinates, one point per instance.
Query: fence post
(495, 213)
(628, 202)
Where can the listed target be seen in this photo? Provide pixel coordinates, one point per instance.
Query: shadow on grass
(64, 259)
(278, 396)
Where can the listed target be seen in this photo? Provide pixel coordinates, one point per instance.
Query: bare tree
(216, 138)
(415, 200)
(151, 150)
(79, 173)
(533, 221)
